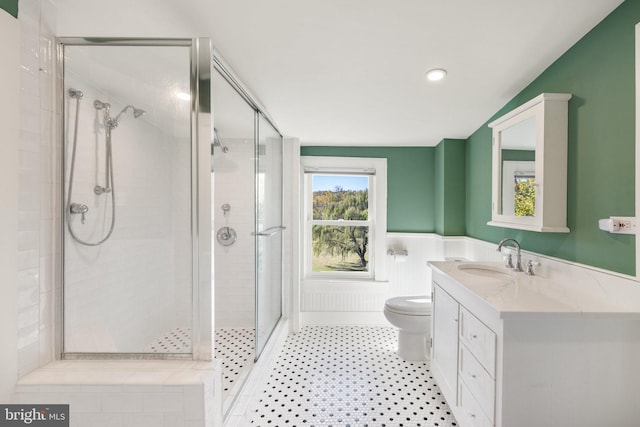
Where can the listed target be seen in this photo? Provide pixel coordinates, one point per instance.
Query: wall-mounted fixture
(226, 235)
(529, 149)
(399, 255)
(618, 224)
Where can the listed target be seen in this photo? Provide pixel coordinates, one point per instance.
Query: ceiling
(351, 72)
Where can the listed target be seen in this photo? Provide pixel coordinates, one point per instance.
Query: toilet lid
(415, 305)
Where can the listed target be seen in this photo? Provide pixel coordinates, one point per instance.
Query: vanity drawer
(470, 409)
(479, 339)
(478, 381)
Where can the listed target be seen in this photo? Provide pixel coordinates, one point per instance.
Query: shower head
(137, 112)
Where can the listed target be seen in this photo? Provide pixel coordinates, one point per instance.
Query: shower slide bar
(269, 231)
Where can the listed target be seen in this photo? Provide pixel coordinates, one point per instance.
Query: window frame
(376, 169)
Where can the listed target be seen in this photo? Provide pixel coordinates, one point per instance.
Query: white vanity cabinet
(463, 360)
(444, 347)
(506, 356)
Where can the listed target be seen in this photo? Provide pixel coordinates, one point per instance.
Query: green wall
(426, 183)
(518, 155)
(410, 183)
(449, 202)
(11, 6)
(599, 71)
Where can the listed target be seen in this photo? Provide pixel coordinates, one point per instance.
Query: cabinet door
(445, 342)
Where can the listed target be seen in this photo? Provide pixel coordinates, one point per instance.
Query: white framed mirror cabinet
(529, 166)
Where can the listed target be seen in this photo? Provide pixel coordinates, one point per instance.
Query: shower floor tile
(235, 348)
(348, 376)
(177, 340)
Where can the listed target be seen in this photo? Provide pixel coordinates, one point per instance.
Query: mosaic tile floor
(177, 340)
(350, 377)
(235, 348)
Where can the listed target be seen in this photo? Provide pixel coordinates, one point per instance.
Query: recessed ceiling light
(435, 74)
(183, 95)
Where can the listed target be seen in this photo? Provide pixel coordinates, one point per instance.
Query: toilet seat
(418, 305)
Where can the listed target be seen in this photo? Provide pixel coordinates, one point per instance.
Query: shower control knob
(79, 208)
(226, 236)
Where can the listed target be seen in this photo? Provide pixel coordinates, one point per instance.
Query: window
(525, 194)
(518, 188)
(344, 216)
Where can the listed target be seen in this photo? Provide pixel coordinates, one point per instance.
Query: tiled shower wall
(38, 202)
(40, 197)
(126, 292)
(234, 265)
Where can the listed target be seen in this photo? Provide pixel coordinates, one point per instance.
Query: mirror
(518, 160)
(529, 146)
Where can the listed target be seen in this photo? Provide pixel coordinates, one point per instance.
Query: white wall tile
(234, 265)
(173, 420)
(28, 337)
(29, 316)
(122, 402)
(194, 403)
(100, 420)
(28, 240)
(28, 354)
(90, 403)
(28, 296)
(142, 420)
(163, 402)
(138, 262)
(46, 345)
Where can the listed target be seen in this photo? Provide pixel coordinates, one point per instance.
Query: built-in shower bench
(123, 393)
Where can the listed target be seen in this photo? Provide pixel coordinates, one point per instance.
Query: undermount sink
(485, 271)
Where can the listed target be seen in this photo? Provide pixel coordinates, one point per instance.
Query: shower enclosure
(247, 182)
(139, 203)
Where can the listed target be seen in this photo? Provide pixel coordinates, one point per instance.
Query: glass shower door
(128, 266)
(269, 231)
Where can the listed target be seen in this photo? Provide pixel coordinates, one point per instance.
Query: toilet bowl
(412, 316)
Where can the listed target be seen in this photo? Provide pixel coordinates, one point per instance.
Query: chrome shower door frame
(201, 125)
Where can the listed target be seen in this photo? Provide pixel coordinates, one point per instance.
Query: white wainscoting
(352, 302)
(342, 302)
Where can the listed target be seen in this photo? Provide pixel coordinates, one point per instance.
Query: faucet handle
(530, 264)
(508, 260)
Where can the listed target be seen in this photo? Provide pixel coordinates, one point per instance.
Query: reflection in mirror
(518, 155)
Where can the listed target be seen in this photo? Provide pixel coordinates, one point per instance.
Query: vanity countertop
(515, 294)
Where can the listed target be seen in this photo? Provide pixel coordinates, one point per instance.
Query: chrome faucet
(518, 265)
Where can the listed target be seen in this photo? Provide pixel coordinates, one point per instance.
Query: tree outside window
(340, 224)
(525, 197)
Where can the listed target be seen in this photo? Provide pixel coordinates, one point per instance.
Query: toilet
(412, 316)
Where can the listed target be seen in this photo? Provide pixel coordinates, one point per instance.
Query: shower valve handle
(79, 208)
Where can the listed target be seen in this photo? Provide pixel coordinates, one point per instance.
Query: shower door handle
(269, 231)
